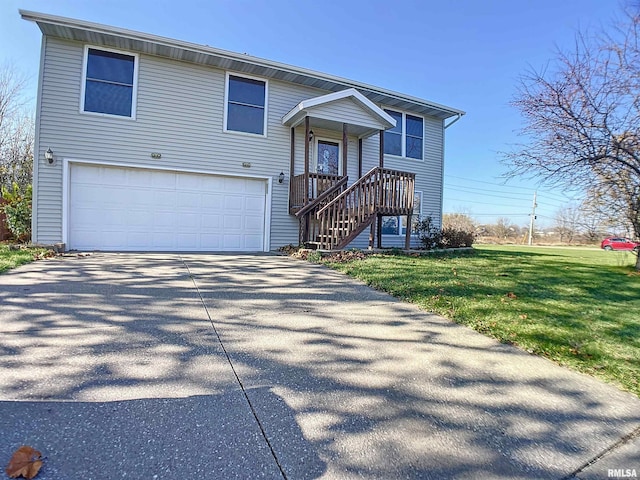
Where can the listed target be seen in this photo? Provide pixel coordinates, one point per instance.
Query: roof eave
(268, 68)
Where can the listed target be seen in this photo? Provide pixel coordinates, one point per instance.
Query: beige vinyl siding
(179, 114)
(428, 177)
(345, 110)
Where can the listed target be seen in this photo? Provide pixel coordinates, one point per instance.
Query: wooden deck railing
(380, 191)
(318, 184)
(309, 226)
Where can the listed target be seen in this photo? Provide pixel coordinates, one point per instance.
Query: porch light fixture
(281, 177)
(310, 135)
(48, 156)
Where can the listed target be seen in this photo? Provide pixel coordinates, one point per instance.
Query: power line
(561, 196)
(495, 214)
(487, 194)
(475, 202)
(484, 189)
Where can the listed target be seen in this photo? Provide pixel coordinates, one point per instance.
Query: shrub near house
(449, 237)
(17, 211)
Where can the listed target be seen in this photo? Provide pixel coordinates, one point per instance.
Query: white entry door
(134, 209)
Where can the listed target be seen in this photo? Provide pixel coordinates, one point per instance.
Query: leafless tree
(582, 119)
(458, 221)
(594, 219)
(16, 130)
(503, 228)
(566, 221)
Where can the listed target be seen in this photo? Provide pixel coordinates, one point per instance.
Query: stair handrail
(357, 184)
(323, 196)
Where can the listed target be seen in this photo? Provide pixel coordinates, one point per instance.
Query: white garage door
(149, 210)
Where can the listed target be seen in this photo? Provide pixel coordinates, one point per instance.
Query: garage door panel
(139, 209)
(114, 239)
(137, 177)
(189, 201)
(253, 224)
(189, 221)
(210, 222)
(232, 242)
(252, 242)
(187, 241)
(110, 218)
(212, 201)
(83, 194)
(163, 180)
(254, 204)
(232, 222)
(233, 202)
(164, 221)
(139, 220)
(163, 240)
(212, 241)
(254, 187)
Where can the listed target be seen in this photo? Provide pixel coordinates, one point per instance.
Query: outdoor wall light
(281, 177)
(48, 156)
(310, 135)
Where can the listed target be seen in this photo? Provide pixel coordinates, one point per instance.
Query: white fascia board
(225, 54)
(292, 117)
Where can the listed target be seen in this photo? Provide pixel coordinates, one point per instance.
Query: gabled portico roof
(363, 117)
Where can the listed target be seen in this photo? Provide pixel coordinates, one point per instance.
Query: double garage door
(150, 210)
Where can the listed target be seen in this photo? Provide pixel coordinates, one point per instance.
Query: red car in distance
(619, 243)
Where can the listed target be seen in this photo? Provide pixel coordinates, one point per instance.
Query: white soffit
(97, 34)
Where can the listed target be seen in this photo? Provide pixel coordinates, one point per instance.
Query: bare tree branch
(582, 120)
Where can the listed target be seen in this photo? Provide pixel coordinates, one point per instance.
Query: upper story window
(109, 83)
(406, 139)
(246, 105)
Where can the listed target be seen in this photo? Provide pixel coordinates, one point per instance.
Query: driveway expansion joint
(620, 443)
(235, 373)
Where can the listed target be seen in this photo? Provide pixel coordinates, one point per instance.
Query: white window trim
(403, 136)
(134, 93)
(226, 100)
(314, 153)
(399, 217)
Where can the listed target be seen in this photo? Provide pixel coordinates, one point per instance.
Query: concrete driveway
(145, 366)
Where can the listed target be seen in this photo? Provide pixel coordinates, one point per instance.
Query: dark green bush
(431, 237)
(454, 238)
(18, 211)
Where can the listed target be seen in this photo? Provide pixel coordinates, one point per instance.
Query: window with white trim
(398, 225)
(406, 139)
(109, 84)
(246, 105)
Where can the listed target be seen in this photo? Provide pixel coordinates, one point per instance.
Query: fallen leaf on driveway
(25, 462)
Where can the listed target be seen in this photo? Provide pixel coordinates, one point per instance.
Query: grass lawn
(13, 258)
(578, 307)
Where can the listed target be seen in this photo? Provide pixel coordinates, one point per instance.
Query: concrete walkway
(169, 366)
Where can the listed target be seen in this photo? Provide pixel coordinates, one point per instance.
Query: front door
(328, 157)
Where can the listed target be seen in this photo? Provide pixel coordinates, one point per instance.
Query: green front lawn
(578, 307)
(14, 258)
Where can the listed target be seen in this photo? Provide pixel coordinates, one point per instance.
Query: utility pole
(533, 217)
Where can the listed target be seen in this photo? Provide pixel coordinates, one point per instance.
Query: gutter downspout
(458, 117)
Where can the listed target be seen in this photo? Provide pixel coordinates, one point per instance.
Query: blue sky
(466, 54)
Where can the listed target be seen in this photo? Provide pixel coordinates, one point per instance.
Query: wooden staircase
(340, 214)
